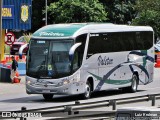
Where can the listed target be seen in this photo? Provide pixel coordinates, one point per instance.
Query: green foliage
(7, 49)
(140, 12)
(148, 14)
(70, 11)
(37, 14)
(67, 11)
(27, 37)
(143, 5)
(120, 11)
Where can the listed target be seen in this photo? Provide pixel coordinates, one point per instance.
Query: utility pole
(1, 3)
(46, 14)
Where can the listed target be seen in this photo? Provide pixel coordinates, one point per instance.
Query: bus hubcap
(87, 92)
(134, 83)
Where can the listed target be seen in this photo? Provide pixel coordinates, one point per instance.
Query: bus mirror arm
(72, 50)
(21, 50)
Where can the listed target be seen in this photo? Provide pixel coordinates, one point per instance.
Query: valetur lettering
(104, 61)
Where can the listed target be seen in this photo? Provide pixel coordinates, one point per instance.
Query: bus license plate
(46, 91)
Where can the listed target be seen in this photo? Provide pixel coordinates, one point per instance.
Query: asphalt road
(13, 96)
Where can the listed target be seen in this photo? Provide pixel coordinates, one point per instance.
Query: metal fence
(80, 110)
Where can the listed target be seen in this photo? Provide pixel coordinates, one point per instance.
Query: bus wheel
(87, 93)
(47, 96)
(134, 83)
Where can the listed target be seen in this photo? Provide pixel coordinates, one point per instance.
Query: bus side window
(93, 45)
(80, 51)
(139, 41)
(76, 60)
(127, 39)
(91, 48)
(147, 39)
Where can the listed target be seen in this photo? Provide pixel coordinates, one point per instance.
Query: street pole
(46, 14)
(1, 3)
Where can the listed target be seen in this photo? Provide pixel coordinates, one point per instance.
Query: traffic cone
(10, 59)
(157, 65)
(16, 78)
(7, 59)
(3, 62)
(24, 58)
(16, 58)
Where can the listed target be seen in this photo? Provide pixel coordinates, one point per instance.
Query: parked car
(16, 46)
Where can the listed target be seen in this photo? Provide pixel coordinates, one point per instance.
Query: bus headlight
(64, 82)
(28, 82)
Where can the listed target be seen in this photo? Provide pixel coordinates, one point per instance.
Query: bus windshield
(49, 58)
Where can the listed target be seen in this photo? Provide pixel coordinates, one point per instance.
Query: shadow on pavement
(61, 99)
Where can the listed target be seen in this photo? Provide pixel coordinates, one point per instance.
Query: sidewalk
(12, 88)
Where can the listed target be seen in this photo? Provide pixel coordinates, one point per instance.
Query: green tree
(120, 11)
(37, 13)
(37, 16)
(148, 14)
(68, 11)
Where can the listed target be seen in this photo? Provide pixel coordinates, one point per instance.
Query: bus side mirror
(21, 50)
(72, 50)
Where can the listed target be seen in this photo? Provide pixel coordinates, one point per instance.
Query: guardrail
(79, 110)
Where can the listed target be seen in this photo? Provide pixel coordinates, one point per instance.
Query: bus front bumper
(47, 90)
(68, 89)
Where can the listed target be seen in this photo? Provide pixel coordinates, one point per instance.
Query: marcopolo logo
(51, 34)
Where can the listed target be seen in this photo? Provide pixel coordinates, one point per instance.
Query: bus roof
(75, 29)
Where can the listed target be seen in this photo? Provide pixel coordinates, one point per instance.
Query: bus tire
(134, 84)
(47, 96)
(87, 93)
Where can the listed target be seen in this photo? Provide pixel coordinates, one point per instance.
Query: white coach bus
(81, 58)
